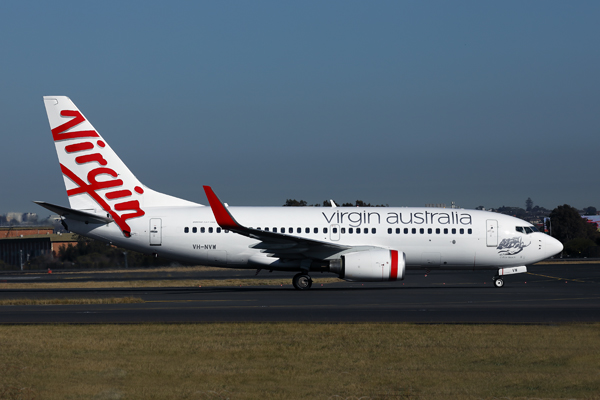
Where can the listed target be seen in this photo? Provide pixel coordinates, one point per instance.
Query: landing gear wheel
(302, 282)
(498, 282)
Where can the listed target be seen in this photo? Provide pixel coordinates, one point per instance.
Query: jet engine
(371, 266)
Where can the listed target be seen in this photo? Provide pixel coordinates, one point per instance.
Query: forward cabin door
(155, 231)
(491, 232)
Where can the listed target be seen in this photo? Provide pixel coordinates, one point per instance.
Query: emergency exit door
(155, 232)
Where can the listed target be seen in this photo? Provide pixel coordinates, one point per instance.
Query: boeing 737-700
(108, 203)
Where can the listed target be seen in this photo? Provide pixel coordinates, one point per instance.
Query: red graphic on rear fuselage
(93, 185)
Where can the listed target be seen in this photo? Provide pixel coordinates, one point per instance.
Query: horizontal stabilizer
(76, 215)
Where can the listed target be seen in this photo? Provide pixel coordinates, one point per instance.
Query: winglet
(222, 215)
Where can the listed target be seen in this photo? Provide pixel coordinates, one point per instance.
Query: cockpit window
(526, 229)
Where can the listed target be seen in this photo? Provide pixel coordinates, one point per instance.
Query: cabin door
(491, 233)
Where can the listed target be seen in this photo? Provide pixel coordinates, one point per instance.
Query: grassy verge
(300, 361)
(159, 283)
(46, 302)
(567, 262)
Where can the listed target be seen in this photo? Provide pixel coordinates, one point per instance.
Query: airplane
(364, 244)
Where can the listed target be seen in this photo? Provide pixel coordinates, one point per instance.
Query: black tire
(498, 282)
(302, 282)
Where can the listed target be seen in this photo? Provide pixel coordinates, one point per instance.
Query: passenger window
(350, 230)
(307, 230)
(334, 230)
(194, 230)
(186, 229)
(437, 231)
(316, 230)
(397, 230)
(299, 230)
(429, 230)
(445, 231)
(389, 230)
(422, 231)
(343, 230)
(462, 231)
(275, 230)
(266, 229)
(373, 230)
(405, 231)
(290, 230)
(202, 230)
(470, 231)
(225, 230)
(454, 231)
(357, 230)
(365, 230)
(218, 230)
(324, 230)
(414, 230)
(210, 230)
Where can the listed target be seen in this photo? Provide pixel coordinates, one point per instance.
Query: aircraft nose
(554, 245)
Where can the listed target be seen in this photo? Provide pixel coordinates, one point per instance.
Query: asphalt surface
(548, 294)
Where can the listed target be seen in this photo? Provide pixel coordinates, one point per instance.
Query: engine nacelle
(373, 266)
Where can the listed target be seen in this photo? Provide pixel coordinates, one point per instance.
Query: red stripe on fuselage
(394, 269)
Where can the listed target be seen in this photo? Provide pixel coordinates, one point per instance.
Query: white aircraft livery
(108, 203)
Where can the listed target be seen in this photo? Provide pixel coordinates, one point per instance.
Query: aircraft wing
(77, 215)
(278, 245)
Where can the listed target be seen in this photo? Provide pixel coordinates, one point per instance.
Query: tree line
(327, 203)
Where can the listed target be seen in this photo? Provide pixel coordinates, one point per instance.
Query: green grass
(300, 361)
(45, 302)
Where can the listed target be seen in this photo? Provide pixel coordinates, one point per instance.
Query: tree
(567, 224)
(590, 211)
(514, 211)
(579, 246)
(294, 203)
(528, 204)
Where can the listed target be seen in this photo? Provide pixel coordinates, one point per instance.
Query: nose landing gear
(498, 281)
(302, 281)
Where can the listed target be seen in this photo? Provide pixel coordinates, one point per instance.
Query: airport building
(20, 244)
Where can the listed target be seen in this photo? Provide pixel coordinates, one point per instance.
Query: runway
(557, 293)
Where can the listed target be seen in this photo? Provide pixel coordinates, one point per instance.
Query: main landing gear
(302, 281)
(498, 281)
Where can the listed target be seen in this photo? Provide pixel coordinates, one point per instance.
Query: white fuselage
(430, 237)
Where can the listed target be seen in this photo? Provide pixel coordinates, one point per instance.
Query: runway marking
(557, 278)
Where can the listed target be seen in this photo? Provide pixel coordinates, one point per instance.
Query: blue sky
(401, 103)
